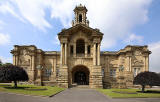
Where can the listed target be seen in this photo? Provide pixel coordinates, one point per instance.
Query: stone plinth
(63, 77)
(96, 77)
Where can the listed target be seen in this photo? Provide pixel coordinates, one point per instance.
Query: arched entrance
(80, 75)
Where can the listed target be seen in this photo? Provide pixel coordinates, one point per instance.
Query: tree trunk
(15, 84)
(143, 87)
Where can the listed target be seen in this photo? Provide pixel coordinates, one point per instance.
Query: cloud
(34, 12)
(4, 39)
(8, 8)
(134, 39)
(5, 60)
(63, 10)
(56, 41)
(115, 18)
(1, 23)
(155, 56)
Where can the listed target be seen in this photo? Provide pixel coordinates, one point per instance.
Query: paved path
(9, 97)
(80, 95)
(71, 95)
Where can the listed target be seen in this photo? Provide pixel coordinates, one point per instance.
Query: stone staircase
(79, 86)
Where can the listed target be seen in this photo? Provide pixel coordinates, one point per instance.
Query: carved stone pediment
(80, 27)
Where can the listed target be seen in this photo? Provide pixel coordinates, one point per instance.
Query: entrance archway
(80, 75)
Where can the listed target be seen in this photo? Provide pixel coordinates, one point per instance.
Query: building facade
(80, 61)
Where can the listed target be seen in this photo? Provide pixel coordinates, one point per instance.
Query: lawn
(130, 93)
(31, 89)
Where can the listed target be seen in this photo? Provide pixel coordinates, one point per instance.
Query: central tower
(80, 53)
(80, 16)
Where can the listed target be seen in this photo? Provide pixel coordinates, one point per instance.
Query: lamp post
(39, 72)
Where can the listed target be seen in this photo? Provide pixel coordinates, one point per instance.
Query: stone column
(54, 65)
(130, 64)
(33, 62)
(86, 50)
(39, 77)
(94, 54)
(53, 70)
(98, 55)
(61, 57)
(74, 50)
(14, 60)
(146, 63)
(65, 54)
(32, 74)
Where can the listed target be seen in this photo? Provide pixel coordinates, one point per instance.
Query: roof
(81, 27)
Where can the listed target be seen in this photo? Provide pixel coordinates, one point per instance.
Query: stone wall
(124, 62)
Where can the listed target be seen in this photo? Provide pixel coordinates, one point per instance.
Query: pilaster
(65, 54)
(94, 54)
(98, 54)
(86, 45)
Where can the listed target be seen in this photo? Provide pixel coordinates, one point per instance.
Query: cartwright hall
(80, 62)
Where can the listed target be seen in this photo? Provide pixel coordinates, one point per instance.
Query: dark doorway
(80, 78)
(80, 75)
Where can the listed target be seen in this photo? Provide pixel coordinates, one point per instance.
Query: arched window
(80, 46)
(80, 18)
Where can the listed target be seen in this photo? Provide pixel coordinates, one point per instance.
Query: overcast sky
(123, 22)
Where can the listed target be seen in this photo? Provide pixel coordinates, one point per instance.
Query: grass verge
(130, 93)
(31, 89)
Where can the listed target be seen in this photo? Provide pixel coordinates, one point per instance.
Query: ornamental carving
(138, 63)
(24, 61)
(137, 53)
(24, 52)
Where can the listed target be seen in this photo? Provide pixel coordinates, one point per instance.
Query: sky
(123, 22)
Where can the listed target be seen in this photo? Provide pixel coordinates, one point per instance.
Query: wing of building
(80, 61)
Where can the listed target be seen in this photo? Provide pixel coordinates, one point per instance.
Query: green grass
(129, 93)
(31, 89)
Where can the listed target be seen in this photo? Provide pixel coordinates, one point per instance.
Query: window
(48, 72)
(89, 47)
(80, 48)
(113, 72)
(80, 18)
(71, 49)
(102, 72)
(121, 68)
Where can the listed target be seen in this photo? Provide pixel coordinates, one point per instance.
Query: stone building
(80, 61)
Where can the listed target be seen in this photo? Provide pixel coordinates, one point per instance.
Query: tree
(147, 78)
(1, 63)
(159, 74)
(13, 73)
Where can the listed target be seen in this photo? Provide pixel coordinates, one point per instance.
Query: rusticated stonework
(80, 60)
